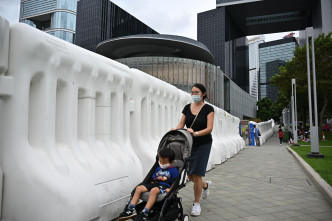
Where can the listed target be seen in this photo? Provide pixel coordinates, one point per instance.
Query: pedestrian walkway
(260, 183)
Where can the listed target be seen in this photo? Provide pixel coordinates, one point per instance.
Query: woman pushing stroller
(198, 118)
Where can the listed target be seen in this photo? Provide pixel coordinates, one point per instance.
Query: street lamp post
(314, 138)
(285, 116)
(294, 112)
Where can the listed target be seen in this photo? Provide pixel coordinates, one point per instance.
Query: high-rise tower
(272, 55)
(228, 44)
(254, 64)
(56, 17)
(224, 29)
(100, 20)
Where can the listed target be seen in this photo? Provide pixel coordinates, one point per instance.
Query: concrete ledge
(322, 185)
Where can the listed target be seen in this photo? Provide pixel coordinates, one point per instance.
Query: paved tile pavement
(260, 183)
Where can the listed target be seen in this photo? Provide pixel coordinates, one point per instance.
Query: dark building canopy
(270, 16)
(154, 45)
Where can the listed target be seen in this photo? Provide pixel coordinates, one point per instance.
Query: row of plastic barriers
(78, 131)
(266, 129)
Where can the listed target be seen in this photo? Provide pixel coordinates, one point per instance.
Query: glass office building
(272, 55)
(228, 44)
(222, 29)
(254, 64)
(56, 17)
(99, 20)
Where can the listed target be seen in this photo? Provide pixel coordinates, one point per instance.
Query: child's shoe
(127, 214)
(141, 217)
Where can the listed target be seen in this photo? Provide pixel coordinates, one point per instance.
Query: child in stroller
(163, 179)
(159, 189)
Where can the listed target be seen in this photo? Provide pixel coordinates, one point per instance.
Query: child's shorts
(149, 186)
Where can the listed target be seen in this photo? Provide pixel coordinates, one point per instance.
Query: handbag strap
(196, 116)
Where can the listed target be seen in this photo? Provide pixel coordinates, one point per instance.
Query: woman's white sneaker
(205, 192)
(196, 210)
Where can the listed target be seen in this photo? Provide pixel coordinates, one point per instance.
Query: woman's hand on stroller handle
(190, 130)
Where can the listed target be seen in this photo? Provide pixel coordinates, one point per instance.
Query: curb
(322, 185)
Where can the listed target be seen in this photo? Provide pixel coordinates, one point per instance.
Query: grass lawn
(322, 166)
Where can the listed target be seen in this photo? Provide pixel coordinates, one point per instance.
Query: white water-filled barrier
(78, 131)
(266, 130)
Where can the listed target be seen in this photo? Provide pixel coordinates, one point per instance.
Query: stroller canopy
(180, 141)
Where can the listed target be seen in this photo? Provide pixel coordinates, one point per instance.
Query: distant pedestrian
(281, 136)
(291, 139)
(257, 134)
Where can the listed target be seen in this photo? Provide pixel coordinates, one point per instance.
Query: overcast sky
(175, 17)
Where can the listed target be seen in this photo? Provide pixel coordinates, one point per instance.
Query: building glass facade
(56, 17)
(65, 4)
(100, 20)
(63, 20)
(182, 73)
(30, 8)
(240, 102)
(271, 56)
(254, 64)
(217, 30)
(67, 36)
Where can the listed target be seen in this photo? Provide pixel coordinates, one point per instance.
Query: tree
(267, 109)
(297, 68)
(264, 111)
(279, 105)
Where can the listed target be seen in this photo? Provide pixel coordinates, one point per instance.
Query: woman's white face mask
(196, 98)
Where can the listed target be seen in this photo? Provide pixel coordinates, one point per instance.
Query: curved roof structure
(154, 45)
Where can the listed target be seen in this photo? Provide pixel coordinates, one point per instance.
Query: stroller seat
(160, 197)
(145, 196)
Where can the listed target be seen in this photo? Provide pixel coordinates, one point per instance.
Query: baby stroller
(168, 206)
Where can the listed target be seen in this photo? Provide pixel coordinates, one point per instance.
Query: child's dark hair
(167, 153)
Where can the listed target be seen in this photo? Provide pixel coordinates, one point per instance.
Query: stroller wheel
(185, 217)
